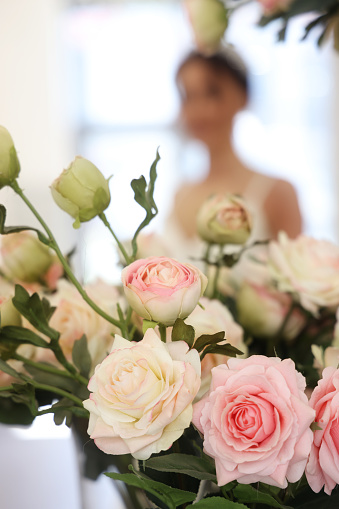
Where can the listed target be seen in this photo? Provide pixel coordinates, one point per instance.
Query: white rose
(308, 268)
(141, 396)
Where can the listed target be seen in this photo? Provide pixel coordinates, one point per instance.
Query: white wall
(33, 106)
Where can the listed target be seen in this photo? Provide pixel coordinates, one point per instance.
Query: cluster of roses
(255, 417)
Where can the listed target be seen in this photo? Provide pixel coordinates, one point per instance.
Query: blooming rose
(273, 6)
(81, 190)
(323, 465)
(162, 289)
(73, 318)
(308, 268)
(9, 162)
(256, 421)
(209, 21)
(224, 220)
(141, 396)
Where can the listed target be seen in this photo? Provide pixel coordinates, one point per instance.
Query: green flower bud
(82, 191)
(24, 257)
(9, 162)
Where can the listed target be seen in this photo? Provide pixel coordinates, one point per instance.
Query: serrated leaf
(14, 413)
(183, 332)
(37, 311)
(217, 503)
(183, 464)
(227, 349)
(173, 497)
(18, 335)
(55, 380)
(208, 339)
(148, 324)
(247, 494)
(143, 195)
(81, 356)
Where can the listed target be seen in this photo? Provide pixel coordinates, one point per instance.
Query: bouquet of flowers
(196, 400)
(209, 18)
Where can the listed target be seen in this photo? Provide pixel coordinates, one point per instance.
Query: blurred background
(97, 78)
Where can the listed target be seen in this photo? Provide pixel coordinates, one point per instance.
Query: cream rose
(73, 318)
(308, 268)
(256, 421)
(9, 162)
(141, 396)
(162, 289)
(224, 220)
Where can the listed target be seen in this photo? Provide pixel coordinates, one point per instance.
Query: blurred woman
(213, 90)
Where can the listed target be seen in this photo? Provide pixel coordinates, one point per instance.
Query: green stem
(55, 390)
(121, 247)
(162, 330)
(207, 257)
(6, 388)
(54, 245)
(51, 369)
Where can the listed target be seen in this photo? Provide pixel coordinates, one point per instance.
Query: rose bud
(9, 162)
(24, 257)
(82, 191)
(209, 21)
(8, 313)
(161, 289)
(224, 220)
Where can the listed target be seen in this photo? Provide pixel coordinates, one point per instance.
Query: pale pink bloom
(256, 421)
(273, 6)
(323, 465)
(141, 396)
(162, 289)
(308, 268)
(73, 318)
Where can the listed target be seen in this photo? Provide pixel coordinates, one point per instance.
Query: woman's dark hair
(226, 62)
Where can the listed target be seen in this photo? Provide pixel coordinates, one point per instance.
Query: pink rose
(323, 465)
(256, 421)
(162, 289)
(141, 396)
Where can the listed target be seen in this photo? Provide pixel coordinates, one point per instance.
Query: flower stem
(51, 369)
(54, 245)
(55, 390)
(104, 219)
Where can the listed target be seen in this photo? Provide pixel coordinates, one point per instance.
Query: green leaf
(216, 503)
(173, 497)
(81, 356)
(227, 349)
(208, 339)
(183, 332)
(14, 413)
(247, 494)
(37, 311)
(6, 368)
(13, 335)
(143, 195)
(148, 324)
(193, 466)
